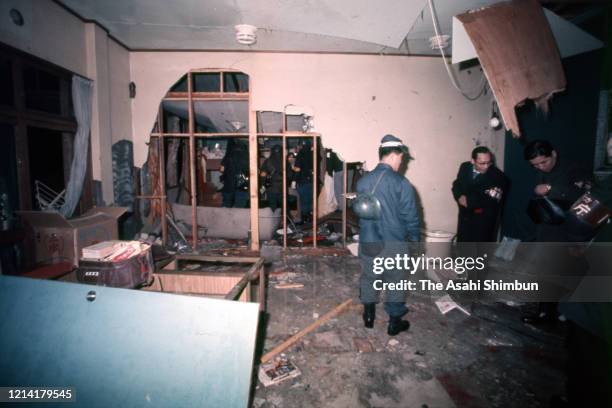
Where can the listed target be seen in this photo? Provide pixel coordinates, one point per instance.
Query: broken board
(126, 347)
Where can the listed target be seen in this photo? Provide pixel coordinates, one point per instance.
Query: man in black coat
(478, 190)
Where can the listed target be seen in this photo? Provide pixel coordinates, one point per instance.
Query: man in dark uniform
(387, 235)
(478, 190)
(563, 182)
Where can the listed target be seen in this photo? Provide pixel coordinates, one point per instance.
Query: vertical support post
(315, 182)
(284, 214)
(344, 190)
(253, 178)
(162, 174)
(192, 168)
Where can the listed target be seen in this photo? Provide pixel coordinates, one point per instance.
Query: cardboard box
(56, 239)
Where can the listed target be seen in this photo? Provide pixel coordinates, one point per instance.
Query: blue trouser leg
(305, 192)
(395, 300)
(228, 199)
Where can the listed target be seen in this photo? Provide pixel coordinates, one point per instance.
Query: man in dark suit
(478, 190)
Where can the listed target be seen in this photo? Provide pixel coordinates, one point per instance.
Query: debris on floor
(486, 359)
(277, 371)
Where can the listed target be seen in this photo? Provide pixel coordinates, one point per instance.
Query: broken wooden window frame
(190, 97)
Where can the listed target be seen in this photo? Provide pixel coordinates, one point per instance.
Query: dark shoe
(369, 314)
(541, 318)
(397, 325)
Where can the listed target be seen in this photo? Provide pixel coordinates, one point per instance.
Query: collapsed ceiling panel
(526, 67)
(570, 39)
(336, 25)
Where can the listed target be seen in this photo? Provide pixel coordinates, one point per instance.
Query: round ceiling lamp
(246, 34)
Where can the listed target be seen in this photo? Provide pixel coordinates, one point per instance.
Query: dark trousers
(474, 227)
(275, 200)
(238, 199)
(305, 192)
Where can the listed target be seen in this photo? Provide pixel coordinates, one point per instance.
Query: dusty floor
(488, 359)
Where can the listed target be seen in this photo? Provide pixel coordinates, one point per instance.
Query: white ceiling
(362, 26)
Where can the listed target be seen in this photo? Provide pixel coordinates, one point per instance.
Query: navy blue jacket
(400, 220)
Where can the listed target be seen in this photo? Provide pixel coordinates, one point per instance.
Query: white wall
(119, 80)
(55, 35)
(49, 32)
(356, 99)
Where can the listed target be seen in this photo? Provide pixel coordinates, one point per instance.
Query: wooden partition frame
(303, 135)
(190, 96)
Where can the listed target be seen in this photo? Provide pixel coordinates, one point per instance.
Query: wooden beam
(162, 176)
(37, 119)
(192, 167)
(315, 183)
(293, 339)
(284, 211)
(253, 179)
(344, 189)
(221, 259)
(252, 274)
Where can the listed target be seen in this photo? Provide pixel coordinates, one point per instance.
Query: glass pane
(269, 122)
(6, 83)
(180, 85)
(235, 82)
(175, 116)
(206, 82)
(221, 116)
(42, 90)
(296, 123)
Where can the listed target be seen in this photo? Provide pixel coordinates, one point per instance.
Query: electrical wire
(451, 74)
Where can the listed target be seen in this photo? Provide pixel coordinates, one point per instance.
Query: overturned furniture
(55, 239)
(229, 284)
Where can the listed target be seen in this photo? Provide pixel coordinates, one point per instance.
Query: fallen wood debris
(289, 286)
(293, 339)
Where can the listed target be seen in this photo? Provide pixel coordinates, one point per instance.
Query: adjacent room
(231, 203)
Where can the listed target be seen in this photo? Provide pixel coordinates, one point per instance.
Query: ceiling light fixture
(438, 42)
(246, 34)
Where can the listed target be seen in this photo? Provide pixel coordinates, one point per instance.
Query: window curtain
(82, 91)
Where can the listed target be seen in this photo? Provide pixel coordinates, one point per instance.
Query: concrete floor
(488, 359)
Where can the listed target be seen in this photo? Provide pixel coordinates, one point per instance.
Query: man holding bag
(558, 185)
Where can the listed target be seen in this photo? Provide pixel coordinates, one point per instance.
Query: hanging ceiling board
(127, 348)
(570, 39)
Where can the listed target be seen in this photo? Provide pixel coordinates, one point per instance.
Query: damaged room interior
(268, 204)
